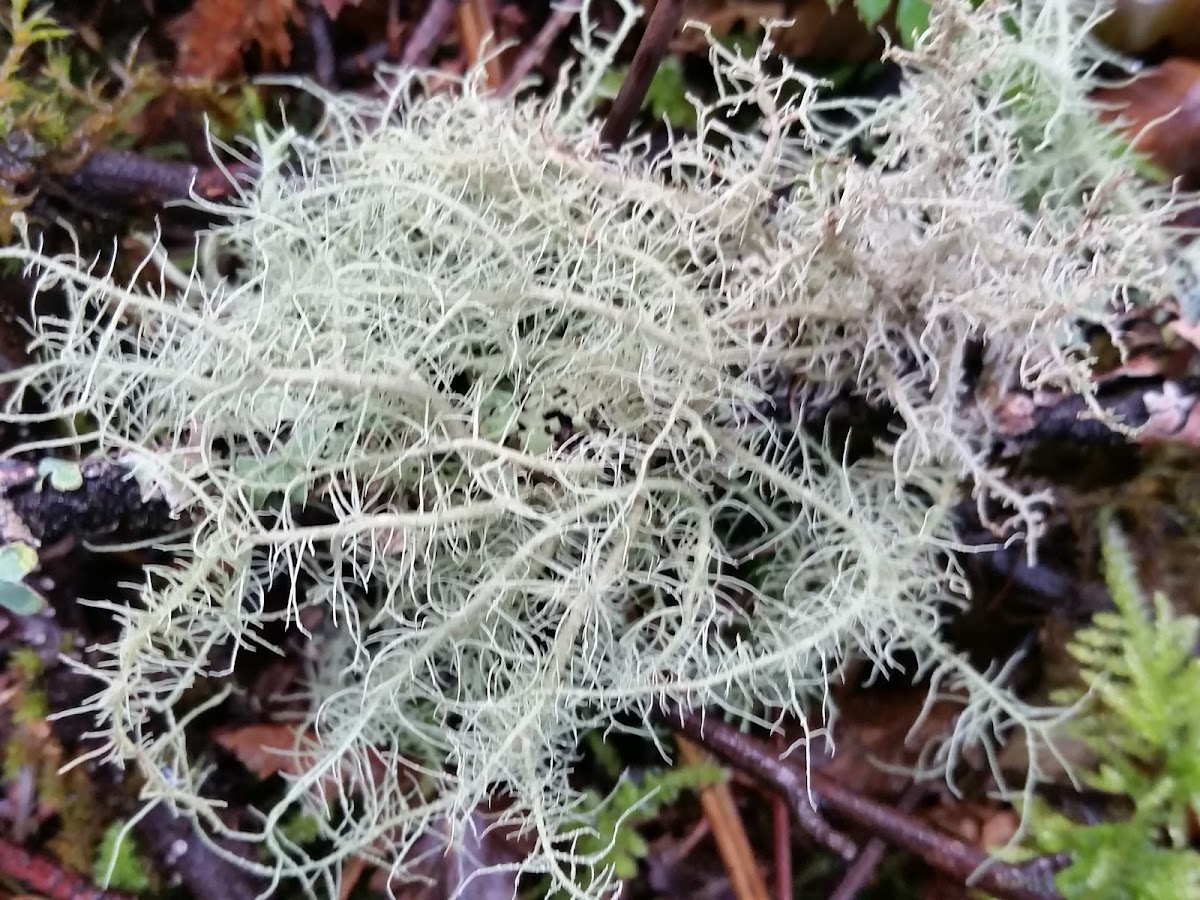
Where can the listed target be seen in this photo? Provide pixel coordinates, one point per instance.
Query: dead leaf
(278, 749)
(265, 750)
(212, 36)
(1136, 26)
(817, 32)
(1160, 111)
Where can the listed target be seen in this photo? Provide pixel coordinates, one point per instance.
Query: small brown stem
(48, 877)
(752, 757)
(781, 829)
(474, 29)
(862, 870)
(427, 36)
(727, 831)
(395, 29)
(1025, 881)
(536, 51)
(663, 24)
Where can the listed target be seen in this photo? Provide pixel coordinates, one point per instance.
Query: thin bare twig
(781, 828)
(537, 49)
(394, 30)
(125, 177)
(174, 844)
(663, 24)
(862, 870)
(753, 758)
(1025, 881)
(427, 36)
(48, 877)
(322, 44)
(728, 831)
(475, 28)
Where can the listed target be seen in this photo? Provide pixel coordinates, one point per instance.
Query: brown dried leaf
(212, 36)
(277, 749)
(817, 32)
(1160, 111)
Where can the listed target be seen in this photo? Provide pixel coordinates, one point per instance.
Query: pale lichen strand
(517, 381)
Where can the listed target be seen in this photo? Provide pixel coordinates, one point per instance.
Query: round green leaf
(64, 474)
(16, 561)
(20, 599)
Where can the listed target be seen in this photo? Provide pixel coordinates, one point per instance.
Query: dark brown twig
(753, 758)
(322, 44)
(172, 841)
(129, 178)
(862, 870)
(536, 50)
(782, 836)
(663, 24)
(427, 36)
(48, 877)
(1026, 881)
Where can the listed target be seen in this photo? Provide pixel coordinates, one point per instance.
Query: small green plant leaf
(16, 561)
(666, 97)
(872, 11)
(912, 18)
(64, 475)
(20, 599)
(119, 866)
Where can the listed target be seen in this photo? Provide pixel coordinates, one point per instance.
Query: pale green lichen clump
(492, 397)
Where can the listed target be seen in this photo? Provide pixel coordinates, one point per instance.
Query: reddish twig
(753, 758)
(727, 830)
(47, 876)
(537, 49)
(663, 24)
(1026, 881)
(862, 870)
(394, 30)
(782, 834)
(427, 36)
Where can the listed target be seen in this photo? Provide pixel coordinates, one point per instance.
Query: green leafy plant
(1140, 718)
(912, 16)
(666, 97)
(119, 864)
(504, 404)
(607, 826)
(17, 560)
